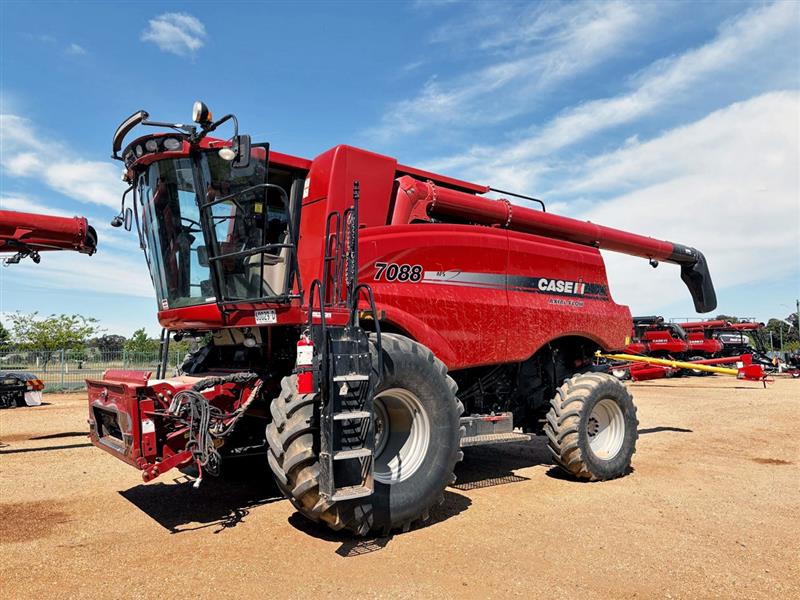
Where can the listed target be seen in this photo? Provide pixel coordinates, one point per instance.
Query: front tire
(591, 427)
(698, 372)
(418, 436)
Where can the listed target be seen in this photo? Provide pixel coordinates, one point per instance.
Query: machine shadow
(219, 503)
(63, 434)
(483, 466)
(488, 466)
(662, 429)
(352, 546)
(45, 448)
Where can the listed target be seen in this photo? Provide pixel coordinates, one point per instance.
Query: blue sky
(673, 119)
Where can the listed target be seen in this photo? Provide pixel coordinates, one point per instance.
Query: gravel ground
(710, 511)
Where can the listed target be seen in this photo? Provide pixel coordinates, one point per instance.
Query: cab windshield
(187, 247)
(173, 233)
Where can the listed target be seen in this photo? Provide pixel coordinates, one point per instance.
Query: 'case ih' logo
(561, 286)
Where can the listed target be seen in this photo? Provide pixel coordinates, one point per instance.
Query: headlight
(151, 145)
(227, 154)
(172, 144)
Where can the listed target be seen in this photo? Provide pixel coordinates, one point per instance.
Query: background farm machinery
(659, 348)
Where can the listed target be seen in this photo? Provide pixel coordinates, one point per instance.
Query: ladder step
(350, 492)
(352, 377)
(352, 415)
(350, 454)
(494, 438)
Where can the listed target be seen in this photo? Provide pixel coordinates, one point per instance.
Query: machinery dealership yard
(711, 510)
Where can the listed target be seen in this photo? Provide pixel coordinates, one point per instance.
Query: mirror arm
(117, 221)
(206, 130)
(138, 228)
(190, 129)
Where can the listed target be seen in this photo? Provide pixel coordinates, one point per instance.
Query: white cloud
(23, 164)
(25, 153)
(104, 273)
(727, 184)
(24, 204)
(87, 181)
(739, 43)
(571, 39)
(658, 84)
(76, 49)
(178, 33)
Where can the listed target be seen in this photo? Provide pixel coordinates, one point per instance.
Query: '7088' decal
(398, 272)
(496, 281)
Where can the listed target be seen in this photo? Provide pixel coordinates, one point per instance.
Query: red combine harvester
(654, 337)
(27, 235)
(711, 343)
(720, 338)
(368, 320)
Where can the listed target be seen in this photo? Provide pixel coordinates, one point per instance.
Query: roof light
(139, 150)
(151, 145)
(201, 114)
(172, 144)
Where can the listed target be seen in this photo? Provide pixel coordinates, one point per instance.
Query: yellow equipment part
(675, 364)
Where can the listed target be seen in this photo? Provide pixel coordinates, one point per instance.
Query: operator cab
(215, 226)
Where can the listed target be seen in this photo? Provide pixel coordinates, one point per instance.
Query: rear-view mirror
(202, 256)
(241, 146)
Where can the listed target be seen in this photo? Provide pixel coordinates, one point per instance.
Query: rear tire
(412, 377)
(591, 427)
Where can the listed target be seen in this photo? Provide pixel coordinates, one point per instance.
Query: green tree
(782, 329)
(108, 343)
(51, 334)
(5, 336)
(139, 342)
(728, 318)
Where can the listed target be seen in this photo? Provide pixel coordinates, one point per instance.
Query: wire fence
(68, 370)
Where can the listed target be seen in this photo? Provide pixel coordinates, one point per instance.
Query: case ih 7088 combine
(368, 320)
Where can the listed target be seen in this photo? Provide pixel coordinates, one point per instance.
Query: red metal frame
(20, 230)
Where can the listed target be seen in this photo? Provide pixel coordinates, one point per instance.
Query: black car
(14, 385)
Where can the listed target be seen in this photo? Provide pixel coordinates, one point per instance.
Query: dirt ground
(712, 509)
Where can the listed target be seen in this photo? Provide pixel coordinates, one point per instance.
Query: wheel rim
(402, 435)
(606, 429)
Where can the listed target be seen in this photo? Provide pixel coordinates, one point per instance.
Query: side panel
(662, 341)
(557, 289)
(444, 285)
(330, 188)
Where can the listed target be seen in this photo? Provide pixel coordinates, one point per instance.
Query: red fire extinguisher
(304, 364)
